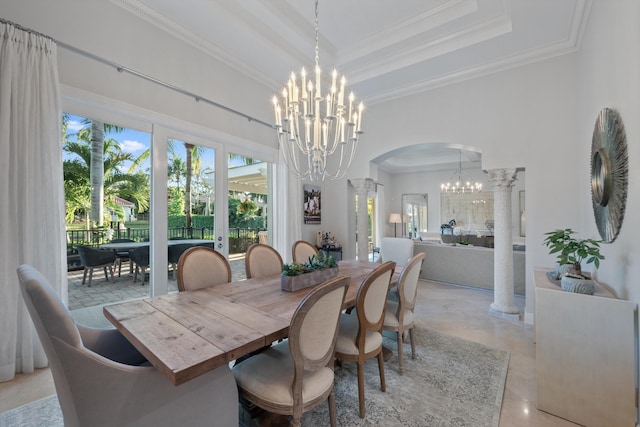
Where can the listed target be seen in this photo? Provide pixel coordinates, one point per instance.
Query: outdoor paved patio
(105, 292)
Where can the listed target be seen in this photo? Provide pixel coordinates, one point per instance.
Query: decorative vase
(577, 284)
(295, 283)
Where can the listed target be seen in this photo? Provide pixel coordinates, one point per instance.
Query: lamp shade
(395, 218)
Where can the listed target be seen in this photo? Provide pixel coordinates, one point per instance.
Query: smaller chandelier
(312, 127)
(461, 186)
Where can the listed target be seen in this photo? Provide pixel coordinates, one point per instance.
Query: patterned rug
(451, 383)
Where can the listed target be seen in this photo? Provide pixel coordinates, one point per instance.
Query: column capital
(363, 185)
(502, 179)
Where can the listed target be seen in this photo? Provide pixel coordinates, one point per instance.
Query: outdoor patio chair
(123, 255)
(174, 255)
(94, 258)
(140, 257)
(102, 380)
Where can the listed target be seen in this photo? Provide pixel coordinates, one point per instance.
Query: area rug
(451, 383)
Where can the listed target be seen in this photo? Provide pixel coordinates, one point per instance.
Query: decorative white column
(362, 187)
(503, 302)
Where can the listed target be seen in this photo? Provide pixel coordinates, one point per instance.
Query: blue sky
(136, 142)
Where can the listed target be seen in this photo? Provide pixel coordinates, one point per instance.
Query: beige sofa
(466, 265)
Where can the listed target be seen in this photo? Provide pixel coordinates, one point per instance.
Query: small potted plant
(318, 269)
(571, 253)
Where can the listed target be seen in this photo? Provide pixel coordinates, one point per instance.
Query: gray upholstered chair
(102, 380)
(399, 313)
(396, 249)
(302, 251)
(200, 267)
(296, 375)
(95, 258)
(360, 334)
(261, 261)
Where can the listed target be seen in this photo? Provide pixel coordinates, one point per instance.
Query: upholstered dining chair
(201, 267)
(140, 258)
(302, 251)
(399, 314)
(296, 375)
(396, 249)
(95, 258)
(360, 333)
(102, 380)
(262, 260)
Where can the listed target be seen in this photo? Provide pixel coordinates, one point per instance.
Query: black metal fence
(239, 238)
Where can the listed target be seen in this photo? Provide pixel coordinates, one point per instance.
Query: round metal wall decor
(609, 173)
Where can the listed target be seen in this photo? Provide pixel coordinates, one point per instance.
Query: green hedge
(197, 221)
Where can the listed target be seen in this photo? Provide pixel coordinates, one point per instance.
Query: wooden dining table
(187, 334)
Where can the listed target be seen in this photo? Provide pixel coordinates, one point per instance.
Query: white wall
(525, 117)
(609, 76)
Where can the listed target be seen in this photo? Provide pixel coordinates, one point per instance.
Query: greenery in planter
(573, 251)
(320, 261)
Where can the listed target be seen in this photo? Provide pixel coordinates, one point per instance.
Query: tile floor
(454, 310)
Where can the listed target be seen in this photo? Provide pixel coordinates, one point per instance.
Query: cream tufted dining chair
(261, 261)
(296, 375)
(399, 314)
(360, 335)
(201, 267)
(302, 251)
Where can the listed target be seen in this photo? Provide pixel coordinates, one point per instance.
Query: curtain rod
(123, 69)
(28, 30)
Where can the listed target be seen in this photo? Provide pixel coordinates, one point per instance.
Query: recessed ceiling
(387, 49)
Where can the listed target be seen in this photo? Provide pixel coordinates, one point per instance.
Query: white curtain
(287, 192)
(31, 187)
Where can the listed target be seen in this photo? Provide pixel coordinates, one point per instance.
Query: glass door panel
(107, 201)
(248, 203)
(190, 200)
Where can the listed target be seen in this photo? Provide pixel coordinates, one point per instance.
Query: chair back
(302, 251)
(94, 257)
(408, 283)
(314, 327)
(140, 256)
(261, 261)
(52, 322)
(175, 251)
(201, 267)
(396, 249)
(371, 300)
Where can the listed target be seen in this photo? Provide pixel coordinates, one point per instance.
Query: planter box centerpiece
(318, 269)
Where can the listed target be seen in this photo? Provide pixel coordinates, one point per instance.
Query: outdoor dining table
(120, 246)
(189, 333)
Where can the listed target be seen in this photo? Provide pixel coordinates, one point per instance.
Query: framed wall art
(312, 204)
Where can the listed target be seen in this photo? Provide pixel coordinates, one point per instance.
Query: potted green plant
(571, 253)
(318, 269)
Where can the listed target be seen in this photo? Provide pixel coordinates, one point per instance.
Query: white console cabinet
(585, 355)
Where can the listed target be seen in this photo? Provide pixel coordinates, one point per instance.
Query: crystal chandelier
(461, 186)
(312, 127)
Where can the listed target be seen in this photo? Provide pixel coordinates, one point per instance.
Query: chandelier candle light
(311, 127)
(461, 186)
